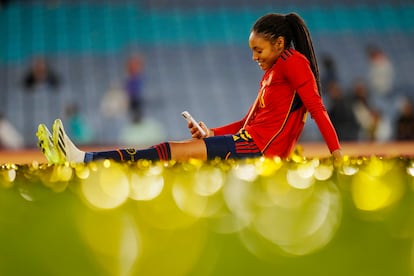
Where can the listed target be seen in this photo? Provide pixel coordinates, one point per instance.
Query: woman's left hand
(337, 158)
(195, 133)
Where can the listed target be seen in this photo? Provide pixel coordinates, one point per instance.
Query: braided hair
(292, 27)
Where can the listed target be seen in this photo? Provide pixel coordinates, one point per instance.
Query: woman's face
(265, 52)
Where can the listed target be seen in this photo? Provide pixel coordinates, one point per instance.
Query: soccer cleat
(66, 150)
(45, 143)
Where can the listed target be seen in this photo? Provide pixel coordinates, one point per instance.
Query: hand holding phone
(190, 118)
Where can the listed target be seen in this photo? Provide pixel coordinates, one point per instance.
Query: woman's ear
(280, 42)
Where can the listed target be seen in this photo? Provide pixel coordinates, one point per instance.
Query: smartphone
(190, 118)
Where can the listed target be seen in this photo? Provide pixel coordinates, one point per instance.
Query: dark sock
(158, 152)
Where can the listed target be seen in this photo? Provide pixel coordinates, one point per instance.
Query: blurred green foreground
(251, 217)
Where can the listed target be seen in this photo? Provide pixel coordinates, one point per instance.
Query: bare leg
(184, 150)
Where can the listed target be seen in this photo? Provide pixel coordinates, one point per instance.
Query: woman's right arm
(223, 130)
(231, 128)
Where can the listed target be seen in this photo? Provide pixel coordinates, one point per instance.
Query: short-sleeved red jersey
(287, 92)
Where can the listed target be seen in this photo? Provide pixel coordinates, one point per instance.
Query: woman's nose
(254, 57)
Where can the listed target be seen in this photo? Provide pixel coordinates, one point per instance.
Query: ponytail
(302, 42)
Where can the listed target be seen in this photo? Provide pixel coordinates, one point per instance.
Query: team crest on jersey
(263, 85)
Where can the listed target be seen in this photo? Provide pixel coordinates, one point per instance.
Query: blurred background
(120, 72)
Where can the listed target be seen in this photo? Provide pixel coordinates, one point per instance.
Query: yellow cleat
(59, 140)
(46, 144)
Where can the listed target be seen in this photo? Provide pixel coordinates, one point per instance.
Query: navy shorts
(240, 145)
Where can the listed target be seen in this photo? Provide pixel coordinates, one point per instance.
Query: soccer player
(282, 47)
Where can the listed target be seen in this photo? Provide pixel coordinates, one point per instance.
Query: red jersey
(287, 92)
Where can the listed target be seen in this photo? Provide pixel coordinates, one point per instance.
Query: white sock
(74, 154)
